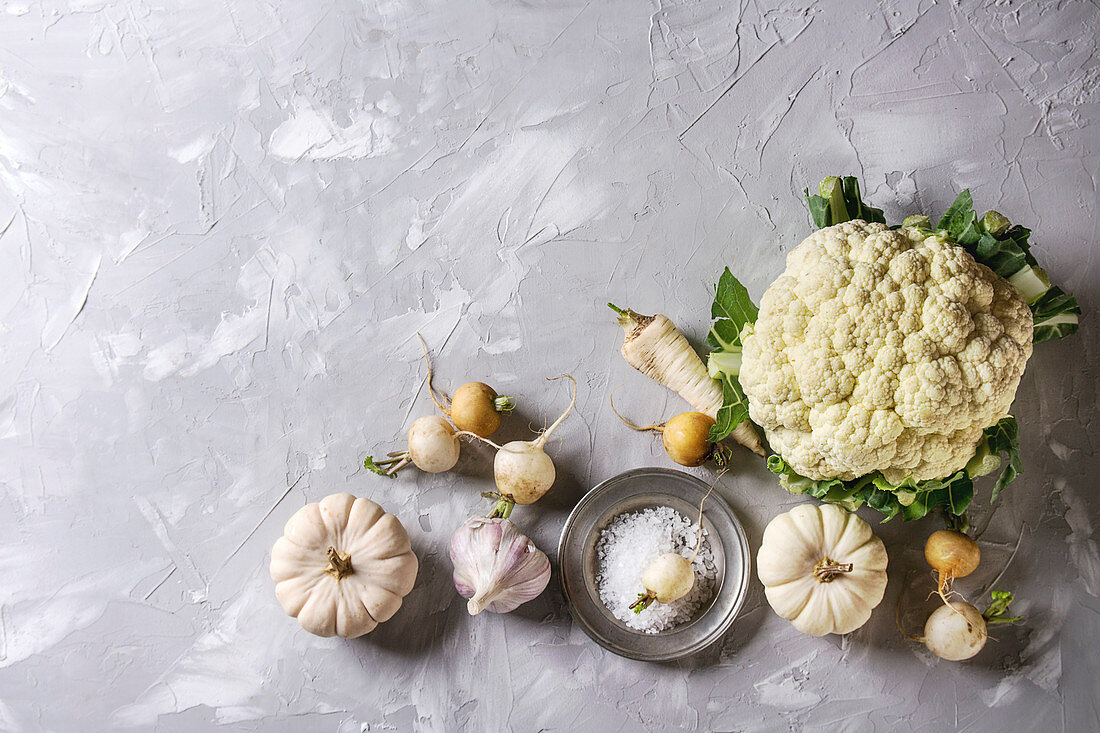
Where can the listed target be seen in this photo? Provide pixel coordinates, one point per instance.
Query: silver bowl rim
(741, 589)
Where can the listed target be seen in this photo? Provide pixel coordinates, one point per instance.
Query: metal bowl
(632, 491)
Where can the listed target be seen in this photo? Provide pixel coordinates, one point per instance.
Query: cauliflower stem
(839, 201)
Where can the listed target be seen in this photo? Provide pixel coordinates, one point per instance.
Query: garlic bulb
(496, 566)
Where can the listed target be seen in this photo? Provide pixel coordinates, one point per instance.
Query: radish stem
(503, 507)
(541, 440)
(468, 434)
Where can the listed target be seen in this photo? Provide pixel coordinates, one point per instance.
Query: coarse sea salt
(626, 547)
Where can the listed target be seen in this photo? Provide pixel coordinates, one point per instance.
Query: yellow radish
(952, 555)
(476, 407)
(686, 438)
(654, 346)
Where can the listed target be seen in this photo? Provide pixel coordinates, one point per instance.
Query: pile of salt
(626, 547)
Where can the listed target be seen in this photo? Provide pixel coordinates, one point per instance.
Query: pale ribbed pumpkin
(342, 566)
(822, 569)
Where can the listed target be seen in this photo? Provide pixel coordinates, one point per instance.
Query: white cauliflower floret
(883, 350)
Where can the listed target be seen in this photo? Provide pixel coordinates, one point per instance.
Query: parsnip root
(655, 347)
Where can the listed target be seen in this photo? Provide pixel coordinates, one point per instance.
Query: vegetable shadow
(910, 598)
(475, 459)
(421, 622)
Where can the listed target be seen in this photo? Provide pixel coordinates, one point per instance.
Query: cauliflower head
(883, 350)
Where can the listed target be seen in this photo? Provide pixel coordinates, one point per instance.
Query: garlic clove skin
(496, 566)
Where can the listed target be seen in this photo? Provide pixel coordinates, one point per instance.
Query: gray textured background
(222, 224)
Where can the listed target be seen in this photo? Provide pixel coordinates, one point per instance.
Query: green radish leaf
(998, 608)
(373, 467)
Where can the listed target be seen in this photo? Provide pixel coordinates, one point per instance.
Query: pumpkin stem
(828, 569)
(338, 565)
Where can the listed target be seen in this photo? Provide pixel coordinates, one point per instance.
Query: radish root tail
(699, 537)
(943, 587)
(427, 363)
(944, 590)
(475, 436)
(897, 612)
(541, 440)
(632, 426)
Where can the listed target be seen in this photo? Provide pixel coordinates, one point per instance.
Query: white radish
(433, 448)
(522, 470)
(655, 347)
(670, 576)
(955, 632)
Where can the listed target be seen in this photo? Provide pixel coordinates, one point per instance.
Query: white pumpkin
(822, 569)
(342, 566)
